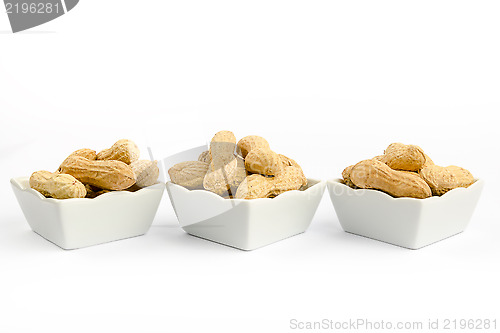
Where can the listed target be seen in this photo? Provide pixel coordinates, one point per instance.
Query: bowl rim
(282, 196)
(16, 182)
(478, 182)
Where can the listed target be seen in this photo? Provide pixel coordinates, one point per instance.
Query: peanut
(428, 161)
(399, 156)
(228, 170)
(225, 170)
(286, 161)
(222, 149)
(258, 186)
(122, 150)
(205, 157)
(260, 159)
(443, 179)
(240, 175)
(189, 174)
(373, 174)
(85, 152)
(224, 180)
(146, 172)
(263, 161)
(346, 173)
(250, 142)
(108, 175)
(58, 186)
(346, 176)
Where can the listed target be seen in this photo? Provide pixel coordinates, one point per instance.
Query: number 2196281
(32, 8)
(470, 324)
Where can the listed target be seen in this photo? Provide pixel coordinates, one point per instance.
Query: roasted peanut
(189, 174)
(225, 171)
(287, 161)
(443, 179)
(258, 186)
(346, 173)
(346, 176)
(263, 161)
(373, 174)
(85, 152)
(205, 157)
(239, 176)
(399, 156)
(260, 159)
(428, 161)
(250, 142)
(122, 150)
(222, 149)
(146, 172)
(56, 185)
(108, 175)
(224, 180)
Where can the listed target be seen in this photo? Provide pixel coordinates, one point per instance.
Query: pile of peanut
(87, 174)
(406, 171)
(248, 169)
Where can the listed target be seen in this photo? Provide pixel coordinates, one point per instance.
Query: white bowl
(243, 224)
(76, 223)
(407, 222)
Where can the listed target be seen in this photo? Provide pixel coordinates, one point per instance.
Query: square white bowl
(243, 224)
(81, 222)
(407, 222)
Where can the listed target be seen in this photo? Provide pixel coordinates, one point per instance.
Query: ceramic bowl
(243, 224)
(81, 222)
(407, 222)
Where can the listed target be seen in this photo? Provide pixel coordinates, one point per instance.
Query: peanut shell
(250, 142)
(428, 161)
(224, 171)
(146, 172)
(346, 176)
(58, 186)
(399, 156)
(85, 152)
(122, 150)
(223, 179)
(373, 174)
(263, 161)
(189, 174)
(287, 161)
(257, 186)
(205, 157)
(222, 149)
(443, 179)
(108, 175)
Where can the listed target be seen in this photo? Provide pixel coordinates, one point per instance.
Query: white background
(326, 82)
